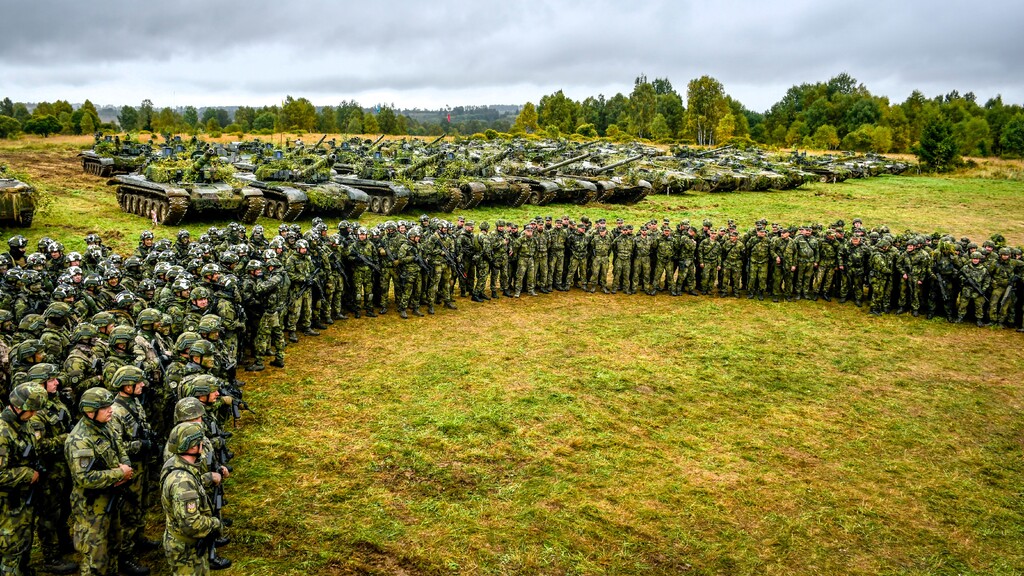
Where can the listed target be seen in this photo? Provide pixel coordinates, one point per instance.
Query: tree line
(840, 113)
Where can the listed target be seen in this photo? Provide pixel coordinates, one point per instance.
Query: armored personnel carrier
(109, 156)
(17, 201)
(301, 183)
(169, 188)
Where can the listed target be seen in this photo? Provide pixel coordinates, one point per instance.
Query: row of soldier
(179, 317)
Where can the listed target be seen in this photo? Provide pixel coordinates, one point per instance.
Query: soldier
(498, 257)
(576, 273)
(556, 254)
(20, 472)
(828, 262)
(686, 258)
(301, 277)
(880, 268)
(732, 266)
(709, 258)
(1002, 271)
(759, 250)
(407, 262)
(129, 424)
(51, 425)
(853, 260)
(363, 257)
(642, 263)
(942, 299)
(913, 268)
(99, 468)
(665, 252)
(481, 252)
(622, 247)
(190, 523)
(600, 250)
(524, 249)
(976, 282)
(805, 263)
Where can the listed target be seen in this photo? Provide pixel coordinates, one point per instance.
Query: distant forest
(838, 114)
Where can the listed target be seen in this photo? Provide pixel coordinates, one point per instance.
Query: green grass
(590, 434)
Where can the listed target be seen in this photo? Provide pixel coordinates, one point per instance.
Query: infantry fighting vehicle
(109, 156)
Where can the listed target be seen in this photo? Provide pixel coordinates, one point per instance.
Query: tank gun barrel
(376, 144)
(563, 163)
(436, 140)
(416, 167)
(714, 151)
(615, 165)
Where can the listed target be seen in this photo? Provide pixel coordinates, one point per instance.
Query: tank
(110, 156)
(17, 201)
(628, 188)
(301, 183)
(477, 179)
(171, 188)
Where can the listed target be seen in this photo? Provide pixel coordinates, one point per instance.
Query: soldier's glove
(227, 400)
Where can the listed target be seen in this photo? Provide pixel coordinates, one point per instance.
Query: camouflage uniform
(94, 455)
(272, 291)
(622, 247)
(600, 249)
(15, 485)
(556, 257)
(540, 259)
(51, 426)
(131, 428)
(409, 276)
(642, 264)
(828, 261)
(188, 515)
(880, 271)
(525, 249)
(577, 243)
(686, 258)
(853, 259)
(300, 310)
(913, 267)
(806, 261)
(362, 274)
(759, 250)
(665, 253)
(968, 294)
(498, 257)
(732, 266)
(1002, 272)
(709, 257)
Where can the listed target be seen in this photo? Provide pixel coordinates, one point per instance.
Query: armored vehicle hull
(169, 204)
(383, 197)
(17, 202)
(106, 166)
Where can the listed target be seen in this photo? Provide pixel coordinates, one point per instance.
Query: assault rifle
(942, 284)
(453, 261)
(1009, 290)
(373, 265)
(973, 284)
(32, 457)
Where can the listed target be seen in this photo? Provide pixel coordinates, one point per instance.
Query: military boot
(130, 567)
(476, 298)
(430, 309)
(416, 311)
(59, 566)
(292, 336)
(319, 326)
(494, 294)
(276, 364)
(383, 310)
(403, 314)
(532, 293)
(219, 563)
(256, 366)
(451, 305)
(358, 314)
(370, 313)
(311, 332)
(750, 295)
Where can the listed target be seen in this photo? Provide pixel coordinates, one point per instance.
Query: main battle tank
(301, 183)
(170, 187)
(110, 156)
(17, 201)
(626, 188)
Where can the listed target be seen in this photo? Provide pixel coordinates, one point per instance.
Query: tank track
(251, 209)
(474, 198)
(356, 210)
(587, 198)
(393, 204)
(453, 202)
(524, 194)
(96, 169)
(169, 211)
(282, 210)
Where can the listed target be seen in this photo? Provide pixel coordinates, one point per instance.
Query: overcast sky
(430, 54)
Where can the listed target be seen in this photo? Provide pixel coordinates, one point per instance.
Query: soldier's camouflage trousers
(1000, 314)
(939, 304)
(388, 285)
(910, 294)
(541, 271)
(525, 275)
(576, 267)
(483, 270)
(333, 299)
(881, 294)
(466, 283)
(269, 333)
(52, 510)
(362, 278)
(440, 283)
(731, 280)
(851, 285)
(641, 273)
(15, 536)
(686, 279)
(757, 280)
(664, 268)
(621, 274)
(300, 311)
(499, 276)
(97, 534)
(184, 558)
(708, 277)
(133, 511)
(599, 272)
(803, 280)
(824, 281)
(409, 282)
(967, 296)
(782, 281)
(556, 267)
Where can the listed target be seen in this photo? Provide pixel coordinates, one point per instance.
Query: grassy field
(595, 434)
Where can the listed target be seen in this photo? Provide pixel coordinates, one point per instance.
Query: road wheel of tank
(534, 199)
(375, 204)
(129, 203)
(386, 204)
(280, 211)
(26, 219)
(144, 205)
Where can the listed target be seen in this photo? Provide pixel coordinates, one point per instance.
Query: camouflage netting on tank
(324, 198)
(452, 176)
(189, 171)
(105, 148)
(274, 170)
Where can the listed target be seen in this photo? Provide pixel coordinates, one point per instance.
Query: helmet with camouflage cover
(209, 323)
(147, 317)
(976, 255)
(201, 347)
(188, 408)
(43, 372)
(126, 376)
(184, 437)
(94, 399)
(17, 241)
(884, 244)
(27, 350)
(28, 397)
(83, 332)
(121, 335)
(33, 323)
(1004, 251)
(103, 319)
(35, 259)
(57, 313)
(198, 385)
(185, 341)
